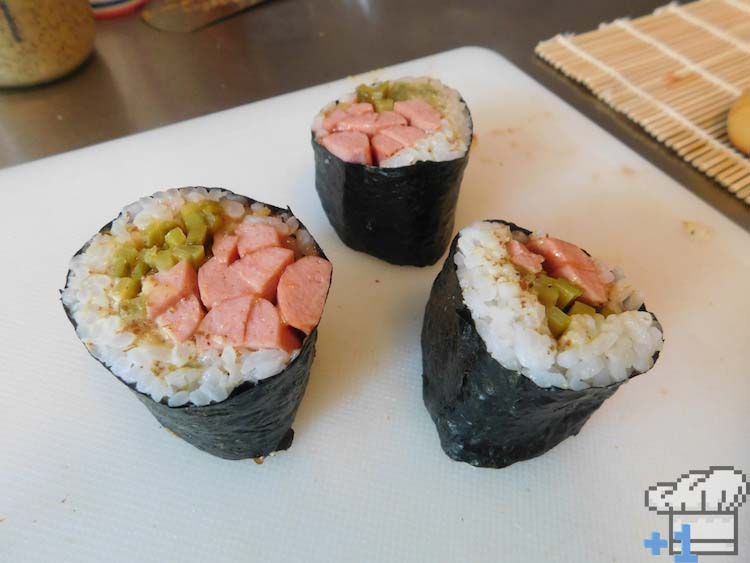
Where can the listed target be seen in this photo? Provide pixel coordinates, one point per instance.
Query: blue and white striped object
(113, 8)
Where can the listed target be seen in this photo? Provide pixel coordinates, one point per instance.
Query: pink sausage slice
(419, 113)
(169, 287)
(258, 273)
(403, 134)
(266, 330)
(225, 248)
(350, 146)
(363, 122)
(330, 120)
(302, 292)
(182, 319)
(389, 119)
(212, 282)
(256, 236)
(228, 320)
(360, 108)
(558, 252)
(524, 258)
(384, 147)
(594, 291)
(570, 262)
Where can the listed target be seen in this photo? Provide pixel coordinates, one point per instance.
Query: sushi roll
(524, 337)
(205, 304)
(389, 159)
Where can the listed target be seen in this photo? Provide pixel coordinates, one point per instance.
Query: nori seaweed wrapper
(256, 419)
(485, 414)
(402, 215)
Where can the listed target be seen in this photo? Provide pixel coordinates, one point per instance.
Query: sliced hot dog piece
(212, 282)
(255, 236)
(389, 119)
(182, 319)
(563, 259)
(330, 120)
(384, 147)
(360, 108)
(228, 319)
(350, 146)
(363, 122)
(558, 252)
(524, 258)
(419, 113)
(403, 134)
(258, 273)
(266, 330)
(166, 288)
(225, 248)
(594, 291)
(302, 292)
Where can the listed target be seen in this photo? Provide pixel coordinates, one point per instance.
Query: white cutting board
(86, 474)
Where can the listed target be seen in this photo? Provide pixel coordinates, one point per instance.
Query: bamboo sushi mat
(676, 73)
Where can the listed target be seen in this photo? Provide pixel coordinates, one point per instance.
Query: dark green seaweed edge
(161, 410)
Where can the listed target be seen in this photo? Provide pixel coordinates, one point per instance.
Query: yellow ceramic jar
(41, 40)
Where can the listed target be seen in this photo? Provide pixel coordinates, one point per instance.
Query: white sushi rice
(594, 351)
(449, 142)
(180, 373)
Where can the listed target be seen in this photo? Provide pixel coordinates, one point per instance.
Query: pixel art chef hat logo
(702, 506)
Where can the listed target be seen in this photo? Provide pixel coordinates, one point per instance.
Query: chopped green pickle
(370, 94)
(213, 213)
(557, 320)
(149, 256)
(385, 104)
(193, 253)
(175, 237)
(213, 220)
(153, 235)
(127, 288)
(164, 260)
(580, 308)
(190, 208)
(546, 292)
(133, 310)
(140, 270)
(568, 292)
(192, 214)
(210, 206)
(400, 91)
(128, 252)
(197, 234)
(194, 220)
(118, 267)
